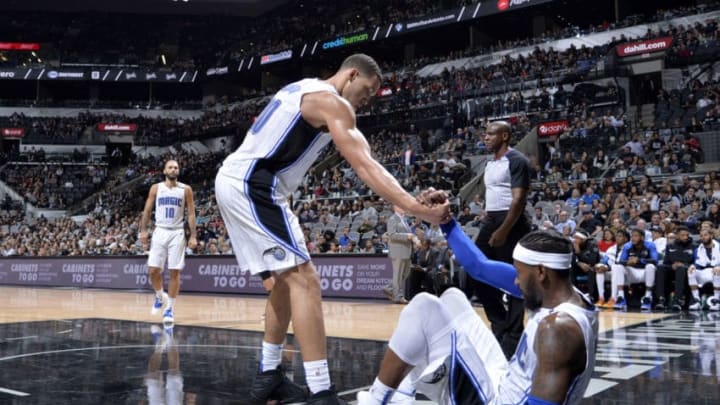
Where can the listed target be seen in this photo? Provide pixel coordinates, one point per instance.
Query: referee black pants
(506, 325)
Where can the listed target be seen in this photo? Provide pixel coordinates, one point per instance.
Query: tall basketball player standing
(252, 187)
(169, 197)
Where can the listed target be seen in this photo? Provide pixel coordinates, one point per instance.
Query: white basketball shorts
(167, 244)
(264, 232)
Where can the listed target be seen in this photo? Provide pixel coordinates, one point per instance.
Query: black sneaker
(675, 304)
(327, 397)
(274, 385)
(646, 304)
(660, 305)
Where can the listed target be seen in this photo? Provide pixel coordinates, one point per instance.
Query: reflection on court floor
(666, 361)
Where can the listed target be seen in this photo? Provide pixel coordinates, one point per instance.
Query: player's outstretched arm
(336, 113)
(561, 356)
(500, 275)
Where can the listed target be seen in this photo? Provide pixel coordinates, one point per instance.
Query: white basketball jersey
(281, 146)
(516, 385)
(170, 206)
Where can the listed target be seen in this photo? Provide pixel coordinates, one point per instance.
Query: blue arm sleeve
(537, 401)
(497, 274)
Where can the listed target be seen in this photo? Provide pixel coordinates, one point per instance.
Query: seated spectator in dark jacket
(586, 257)
(678, 257)
(591, 225)
(466, 216)
(423, 265)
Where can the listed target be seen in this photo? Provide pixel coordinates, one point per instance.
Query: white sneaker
(159, 304)
(713, 304)
(365, 398)
(168, 317)
(695, 305)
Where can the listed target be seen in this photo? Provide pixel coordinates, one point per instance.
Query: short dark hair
(622, 232)
(681, 228)
(550, 241)
(363, 63)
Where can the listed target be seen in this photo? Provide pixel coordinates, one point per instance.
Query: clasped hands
(438, 204)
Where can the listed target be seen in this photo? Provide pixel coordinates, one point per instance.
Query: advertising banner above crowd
(464, 13)
(13, 132)
(346, 276)
(100, 75)
(643, 47)
(276, 57)
(437, 19)
(19, 46)
(117, 127)
(552, 128)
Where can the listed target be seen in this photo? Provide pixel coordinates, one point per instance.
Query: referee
(507, 180)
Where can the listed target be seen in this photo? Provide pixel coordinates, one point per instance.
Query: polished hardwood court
(358, 319)
(99, 346)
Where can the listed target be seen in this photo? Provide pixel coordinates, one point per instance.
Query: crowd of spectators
(336, 209)
(408, 91)
(412, 97)
(419, 159)
(414, 90)
(115, 201)
(558, 32)
(103, 38)
(54, 186)
(655, 212)
(604, 141)
(150, 131)
(104, 104)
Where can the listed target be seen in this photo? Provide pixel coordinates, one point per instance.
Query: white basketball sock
(271, 356)
(381, 392)
(317, 375)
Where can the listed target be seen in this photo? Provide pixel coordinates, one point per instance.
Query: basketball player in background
(252, 187)
(170, 197)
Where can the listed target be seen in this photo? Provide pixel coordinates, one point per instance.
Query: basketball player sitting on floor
(442, 348)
